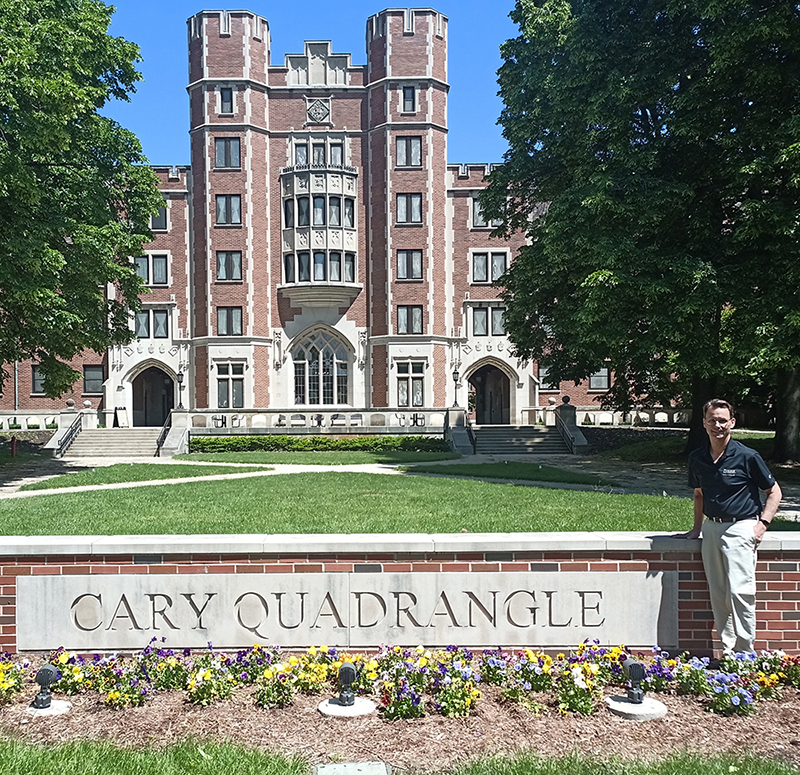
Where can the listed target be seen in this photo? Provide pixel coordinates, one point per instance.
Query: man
(727, 477)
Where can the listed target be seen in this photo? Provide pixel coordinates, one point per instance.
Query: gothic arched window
(320, 370)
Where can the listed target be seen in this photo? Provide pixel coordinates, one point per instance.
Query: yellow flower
(422, 662)
(207, 675)
(560, 657)
(372, 664)
(312, 651)
(293, 660)
(63, 658)
(323, 649)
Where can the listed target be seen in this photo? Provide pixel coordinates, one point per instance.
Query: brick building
(319, 252)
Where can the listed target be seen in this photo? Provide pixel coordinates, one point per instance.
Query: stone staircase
(518, 440)
(115, 442)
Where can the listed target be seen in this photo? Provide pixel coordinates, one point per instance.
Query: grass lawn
(7, 462)
(338, 502)
(670, 450)
(534, 472)
(210, 758)
(320, 458)
(134, 472)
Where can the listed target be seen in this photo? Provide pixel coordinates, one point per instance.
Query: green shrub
(287, 443)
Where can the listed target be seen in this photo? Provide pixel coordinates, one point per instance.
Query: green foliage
(277, 443)
(317, 458)
(663, 138)
(75, 194)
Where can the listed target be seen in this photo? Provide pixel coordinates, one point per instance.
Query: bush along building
(319, 263)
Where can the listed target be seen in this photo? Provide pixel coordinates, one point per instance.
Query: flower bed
(410, 683)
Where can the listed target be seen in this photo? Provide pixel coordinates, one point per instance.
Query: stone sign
(355, 610)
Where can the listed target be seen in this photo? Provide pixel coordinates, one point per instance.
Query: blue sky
(159, 110)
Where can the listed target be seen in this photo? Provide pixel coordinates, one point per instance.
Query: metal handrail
(162, 437)
(566, 433)
(473, 439)
(69, 436)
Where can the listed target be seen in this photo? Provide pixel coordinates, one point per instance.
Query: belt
(730, 519)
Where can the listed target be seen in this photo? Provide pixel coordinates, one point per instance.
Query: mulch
(422, 745)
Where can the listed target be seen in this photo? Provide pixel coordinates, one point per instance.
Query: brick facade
(319, 211)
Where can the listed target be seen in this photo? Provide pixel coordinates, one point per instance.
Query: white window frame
(410, 373)
(408, 208)
(404, 100)
(227, 211)
(221, 102)
(229, 377)
(226, 144)
(406, 264)
(603, 374)
(229, 313)
(149, 256)
(408, 319)
(404, 147)
(228, 264)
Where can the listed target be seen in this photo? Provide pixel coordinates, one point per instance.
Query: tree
(662, 136)
(75, 192)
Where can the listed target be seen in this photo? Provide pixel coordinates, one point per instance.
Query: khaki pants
(729, 559)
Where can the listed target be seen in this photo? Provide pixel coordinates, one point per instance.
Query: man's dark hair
(717, 403)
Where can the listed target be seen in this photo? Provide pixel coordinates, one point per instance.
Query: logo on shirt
(728, 470)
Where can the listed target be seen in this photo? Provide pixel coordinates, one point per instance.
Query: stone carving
(336, 238)
(277, 348)
(302, 182)
(302, 239)
(362, 349)
(319, 239)
(335, 183)
(350, 239)
(319, 182)
(319, 111)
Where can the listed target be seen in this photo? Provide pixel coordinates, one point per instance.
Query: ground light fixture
(47, 675)
(180, 389)
(346, 705)
(347, 676)
(635, 673)
(456, 375)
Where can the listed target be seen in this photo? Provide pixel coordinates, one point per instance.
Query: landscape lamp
(347, 675)
(635, 673)
(47, 675)
(456, 375)
(180, 389)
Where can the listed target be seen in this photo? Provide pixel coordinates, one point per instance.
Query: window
(410, 383)
(545, 381)
(288, 214)
(337, 155)
(226, 100)
(160, 324)
(349, 267)
(92, 379)
(319, 211)
(409, 319)
(479, 321)
(478, 219)
(335, 267)
(600, 380)
(480, 267)
(409, 208)
(154, 266)
(498, 323)
(301, 154)
(409, 151)
(142, 327)
(304, 268)
(321, 367)
(302, 211)
(318, 154)
(227, 152)
(498, 265)
(349, 214)
(158, 222)
(409, 99)
(229, 209)
(335, 211)
(229, 321)
(229, 265)
(37, 380)
(230, 385)
(319, 267)
(488, 319)
(409, 264)
(288, 268)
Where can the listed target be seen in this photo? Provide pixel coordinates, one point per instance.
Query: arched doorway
(492, 396)
(153, 397)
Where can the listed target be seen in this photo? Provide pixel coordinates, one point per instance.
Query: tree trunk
(703, 389)
(787, 417)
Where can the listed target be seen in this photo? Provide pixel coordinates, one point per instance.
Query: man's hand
(758, 531)
(693, 533)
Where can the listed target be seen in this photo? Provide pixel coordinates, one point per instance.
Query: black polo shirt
(731, 486)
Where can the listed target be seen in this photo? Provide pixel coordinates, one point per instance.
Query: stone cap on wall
(367, 543)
